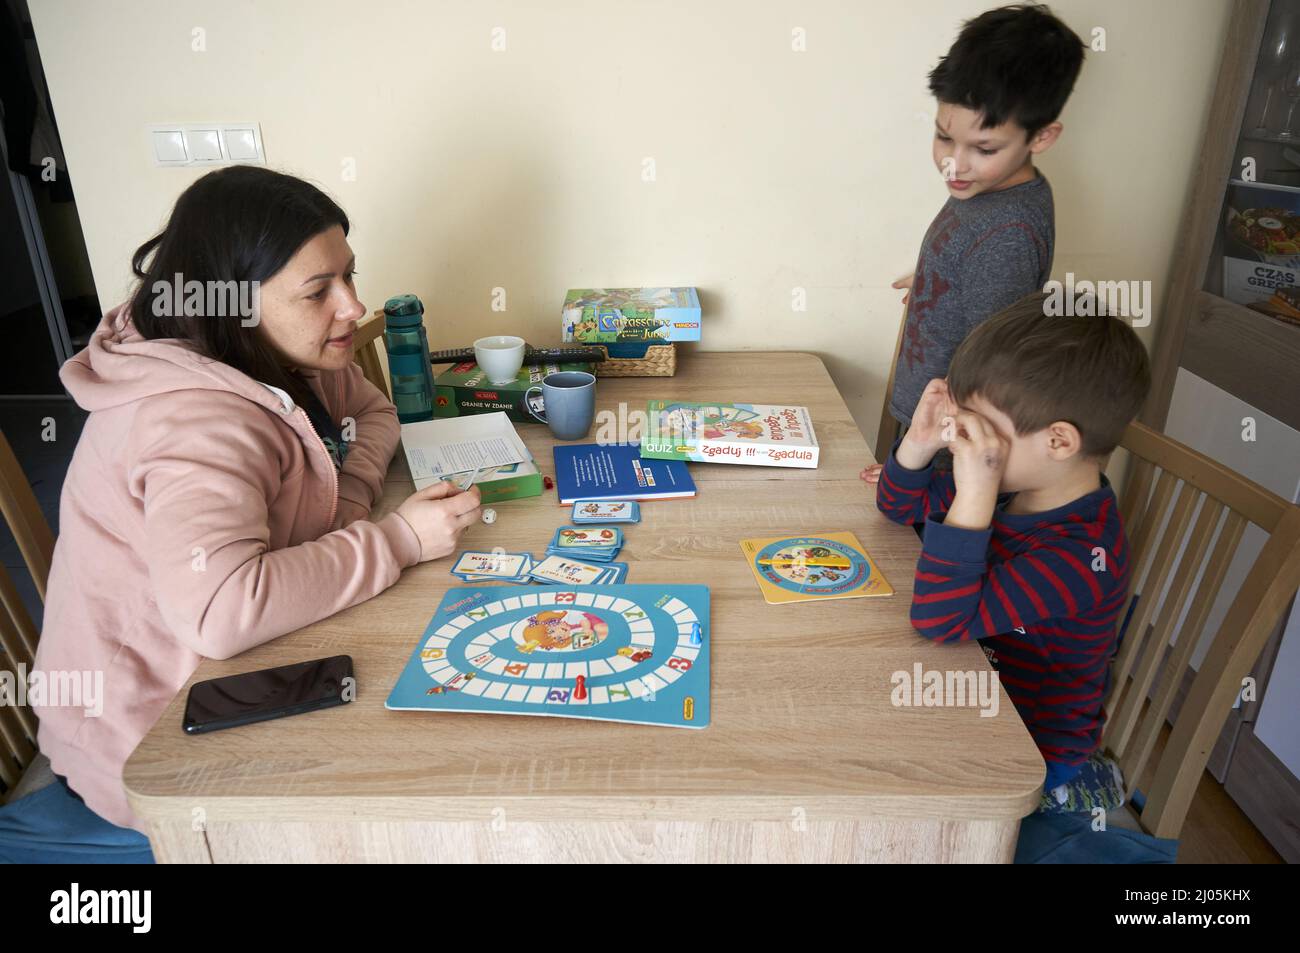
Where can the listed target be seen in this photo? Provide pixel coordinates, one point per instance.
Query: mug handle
(528, 404)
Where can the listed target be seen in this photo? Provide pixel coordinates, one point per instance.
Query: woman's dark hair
(236, 225)
(1018, 62)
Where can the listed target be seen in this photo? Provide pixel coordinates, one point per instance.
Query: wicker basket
(660, 361)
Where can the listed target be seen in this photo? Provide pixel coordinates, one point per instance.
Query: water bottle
(408, 358)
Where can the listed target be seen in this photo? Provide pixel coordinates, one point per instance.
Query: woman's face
(310, 308)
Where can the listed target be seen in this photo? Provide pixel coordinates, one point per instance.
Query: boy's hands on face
(979, 457)
(925, 436)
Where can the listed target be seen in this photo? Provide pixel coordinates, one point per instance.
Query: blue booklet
(592, 471)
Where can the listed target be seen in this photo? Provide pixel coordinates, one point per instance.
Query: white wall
(522, 169)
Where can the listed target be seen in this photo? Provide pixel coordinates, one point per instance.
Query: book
(629, 315)
(592, 471)
(770, 435)
(453, 448)
(1261, 244)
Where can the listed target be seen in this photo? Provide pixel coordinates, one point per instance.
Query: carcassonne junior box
(464, 389)
(615, 316)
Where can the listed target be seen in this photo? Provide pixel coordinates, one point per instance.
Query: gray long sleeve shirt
(979, 255)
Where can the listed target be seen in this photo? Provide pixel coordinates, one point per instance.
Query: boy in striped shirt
(1022, 546)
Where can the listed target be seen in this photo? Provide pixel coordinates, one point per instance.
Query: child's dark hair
(237, 224)
(1018, 62)
(1036, 368)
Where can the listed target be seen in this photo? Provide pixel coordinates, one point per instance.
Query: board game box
(623, 315)
(770, 435)
(463, 389)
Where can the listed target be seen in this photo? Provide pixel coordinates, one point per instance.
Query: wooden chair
(18, 633)
(1169, 488)
(366, 342)
(887, 433)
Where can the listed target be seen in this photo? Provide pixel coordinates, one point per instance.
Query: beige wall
(522, 169)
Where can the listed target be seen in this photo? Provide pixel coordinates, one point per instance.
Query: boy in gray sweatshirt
(999, 91)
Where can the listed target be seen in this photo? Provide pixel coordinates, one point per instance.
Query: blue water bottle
(408, 358)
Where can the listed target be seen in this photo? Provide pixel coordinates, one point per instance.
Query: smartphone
(271, 693)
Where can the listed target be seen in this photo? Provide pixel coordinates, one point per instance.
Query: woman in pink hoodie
(220, 493)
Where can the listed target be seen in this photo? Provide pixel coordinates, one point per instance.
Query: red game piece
(548, 483)
(580, 688)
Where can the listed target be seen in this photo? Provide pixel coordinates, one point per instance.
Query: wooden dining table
(809, 755)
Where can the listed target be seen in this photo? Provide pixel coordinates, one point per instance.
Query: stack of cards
(472, 566)
(583, 555)
(607, 511)
(592, 543)
(564, 571)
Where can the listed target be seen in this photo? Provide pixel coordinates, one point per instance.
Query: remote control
(532, 355)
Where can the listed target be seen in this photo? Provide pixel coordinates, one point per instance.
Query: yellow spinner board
(809, 568)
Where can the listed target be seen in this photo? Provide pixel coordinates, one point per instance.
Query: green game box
(463, 389)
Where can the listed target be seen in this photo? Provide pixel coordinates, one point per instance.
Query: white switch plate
(205, 143)
(167, 145)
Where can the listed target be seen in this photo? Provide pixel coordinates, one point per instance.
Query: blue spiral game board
(637, 654)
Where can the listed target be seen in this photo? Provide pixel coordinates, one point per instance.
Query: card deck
(475, 566)
(606, 511)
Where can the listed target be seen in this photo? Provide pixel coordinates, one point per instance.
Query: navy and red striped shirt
(1042, 592)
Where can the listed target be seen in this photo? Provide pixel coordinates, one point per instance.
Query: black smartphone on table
(235, 700)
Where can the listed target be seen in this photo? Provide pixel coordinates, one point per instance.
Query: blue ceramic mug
(569, 400)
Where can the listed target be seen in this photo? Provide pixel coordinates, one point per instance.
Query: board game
(630, 653)
(620, 315)
(772, 435)
(805, 568)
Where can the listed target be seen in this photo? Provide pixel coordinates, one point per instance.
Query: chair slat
(23, 515)
(1136, 636)
(1126, 718)
(18, 633)
(1137, 491)
(1133, 762)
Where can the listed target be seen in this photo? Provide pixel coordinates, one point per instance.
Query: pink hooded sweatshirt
(201, 516)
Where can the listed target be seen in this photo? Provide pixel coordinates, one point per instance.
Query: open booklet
(453, 448)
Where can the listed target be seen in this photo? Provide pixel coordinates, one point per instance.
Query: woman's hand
(905, 285)
(439, 514)
(925, 435)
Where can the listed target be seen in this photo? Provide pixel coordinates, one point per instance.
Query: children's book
(620, 315)
(592, 471)
(807, 568)
(765, 435)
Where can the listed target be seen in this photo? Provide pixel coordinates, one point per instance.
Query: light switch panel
(205, 143)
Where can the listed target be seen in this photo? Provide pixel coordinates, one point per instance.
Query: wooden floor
(1216, 831)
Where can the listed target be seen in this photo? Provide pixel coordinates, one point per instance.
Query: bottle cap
(403, 311)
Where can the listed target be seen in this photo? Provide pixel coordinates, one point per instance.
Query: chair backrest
(366, 341)
(1169, 489)
(18, 633)
(887, 432)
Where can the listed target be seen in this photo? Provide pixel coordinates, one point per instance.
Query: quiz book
(592, 471)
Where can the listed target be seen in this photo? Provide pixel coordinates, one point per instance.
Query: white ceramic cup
(500, 356)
